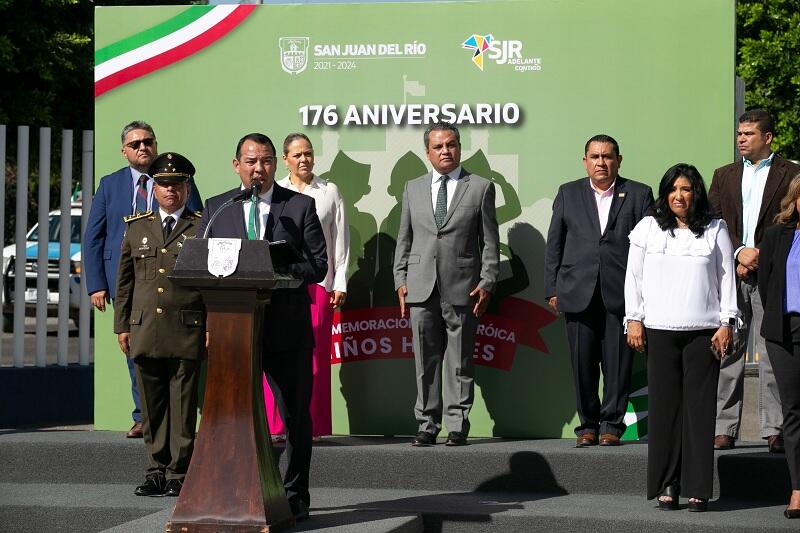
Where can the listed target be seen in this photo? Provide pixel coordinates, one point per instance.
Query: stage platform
(82, 481)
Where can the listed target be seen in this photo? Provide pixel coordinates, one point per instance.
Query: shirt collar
(266, 195)
(135, 173)
(761, 164)
(316, 183)
(176, 215)
(607, 192)
(454, 174)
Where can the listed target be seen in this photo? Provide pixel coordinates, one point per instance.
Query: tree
(768, 60)
(46, 59)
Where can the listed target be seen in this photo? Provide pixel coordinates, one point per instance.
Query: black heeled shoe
(791, 513)
(673, 491)
(698, 506)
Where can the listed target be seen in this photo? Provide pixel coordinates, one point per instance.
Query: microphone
(246, 194)
(254, 190)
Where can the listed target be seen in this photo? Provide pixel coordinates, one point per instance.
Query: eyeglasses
(134, 145)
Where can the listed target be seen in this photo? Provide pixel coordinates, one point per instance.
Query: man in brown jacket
(747, 195)
(161, 325)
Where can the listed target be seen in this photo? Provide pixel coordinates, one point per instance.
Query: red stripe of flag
(176, 54)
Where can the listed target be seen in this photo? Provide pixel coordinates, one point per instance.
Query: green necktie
(441, 203)
(253, 232)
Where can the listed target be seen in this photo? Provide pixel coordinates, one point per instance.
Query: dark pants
(597, 341)
(291, 371)
(785, 358)
(136, 414)
(682, 375)
(169, 406)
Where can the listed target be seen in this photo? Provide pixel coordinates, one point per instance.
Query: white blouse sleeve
(340, 235)
(726, 274)
(634, 301)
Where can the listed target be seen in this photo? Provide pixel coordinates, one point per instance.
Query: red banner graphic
(379, 333)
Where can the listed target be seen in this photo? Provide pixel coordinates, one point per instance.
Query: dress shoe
(673, 491)
(173, 487)
(607, 439)
(724, 442)
(154, 485)
(299, 509)
(456, 438)
(135, 432)
(775, 443)
(586, 440)
(791, 513)
(424, 438)
(698, 505)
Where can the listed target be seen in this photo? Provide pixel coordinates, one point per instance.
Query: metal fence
(48, 282)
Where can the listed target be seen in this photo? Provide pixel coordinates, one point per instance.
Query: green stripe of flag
(151, 34)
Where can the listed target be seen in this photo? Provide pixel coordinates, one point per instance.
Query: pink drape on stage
(321, 319)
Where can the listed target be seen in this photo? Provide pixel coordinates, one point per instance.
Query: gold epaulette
(198, 214)
(137, 216)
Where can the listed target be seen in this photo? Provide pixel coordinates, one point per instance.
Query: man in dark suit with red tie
(585, 261)
(127, 191)
(278, 214)
(747, 195)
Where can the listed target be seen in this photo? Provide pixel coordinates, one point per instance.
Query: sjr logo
(487, 46)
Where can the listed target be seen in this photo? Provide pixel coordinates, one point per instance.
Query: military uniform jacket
(164, 319)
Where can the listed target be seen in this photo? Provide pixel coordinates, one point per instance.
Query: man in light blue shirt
(747, 195)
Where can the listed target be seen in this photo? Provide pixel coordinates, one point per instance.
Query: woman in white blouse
(680, 301)
(330, 294)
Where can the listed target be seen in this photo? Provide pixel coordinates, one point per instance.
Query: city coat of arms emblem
(294, 54)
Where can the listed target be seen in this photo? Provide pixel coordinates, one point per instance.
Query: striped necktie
(141, 194)
(441, 203)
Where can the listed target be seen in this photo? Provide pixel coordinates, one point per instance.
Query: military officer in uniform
(161, 326)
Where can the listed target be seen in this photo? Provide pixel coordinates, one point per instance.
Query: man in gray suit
(585, 260)
(445, 269)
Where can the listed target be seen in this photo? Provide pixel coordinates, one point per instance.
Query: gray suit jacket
(462, 254)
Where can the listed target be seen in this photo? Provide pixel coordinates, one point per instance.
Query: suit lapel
(156, 228)
(775, 178)
(620, 194)
(239, 224)
(128, 188)
(736, 174)
(427, 198)
(782, 248)
(785, 243)
(461, 190)
(275, 209)
(587, 194)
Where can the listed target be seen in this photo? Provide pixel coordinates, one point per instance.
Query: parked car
(32, 268)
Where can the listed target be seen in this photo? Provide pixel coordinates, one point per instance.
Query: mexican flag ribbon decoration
(164, 44)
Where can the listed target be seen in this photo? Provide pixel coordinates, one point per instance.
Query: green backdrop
(658, 76)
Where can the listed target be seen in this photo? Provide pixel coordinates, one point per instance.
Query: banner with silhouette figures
(527, 83)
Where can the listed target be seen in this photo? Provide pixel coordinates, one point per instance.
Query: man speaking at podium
(274, 213)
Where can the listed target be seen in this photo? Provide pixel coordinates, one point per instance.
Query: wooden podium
(233, 483)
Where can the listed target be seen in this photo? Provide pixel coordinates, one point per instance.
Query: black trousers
(291, 371)
(682, 375)
(597, 342)
(169, 412)
(785, 358)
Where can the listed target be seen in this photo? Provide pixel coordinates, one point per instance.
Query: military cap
(170, 167)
